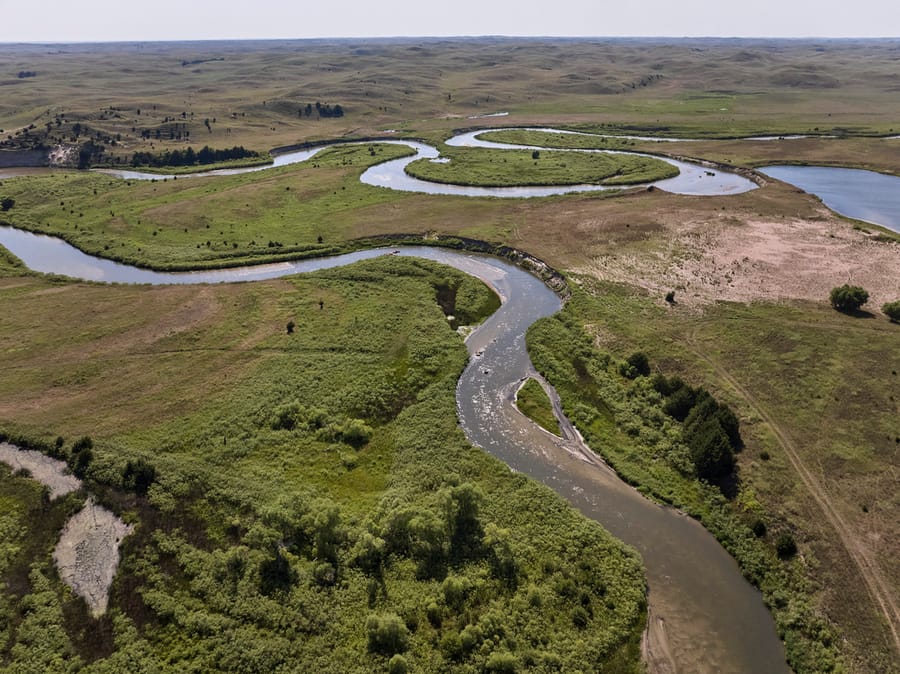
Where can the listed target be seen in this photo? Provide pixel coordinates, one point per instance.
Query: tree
(137, 476)
(785, 546)
(636, 365)
(7, 203)
(848, 298)
(891, 310)
(387, 634)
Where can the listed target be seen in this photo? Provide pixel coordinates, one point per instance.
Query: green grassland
(500, 168)
(171, 223)
(274, 531)
(840, 412)
(194, 379)
(695, 88)
(533, 402)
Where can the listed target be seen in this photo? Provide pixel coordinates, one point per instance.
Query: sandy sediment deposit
(87, 554)
(47, 471)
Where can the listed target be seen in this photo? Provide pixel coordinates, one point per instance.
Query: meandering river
(714, 620)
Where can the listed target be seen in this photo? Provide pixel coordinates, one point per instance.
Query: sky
(120, 20)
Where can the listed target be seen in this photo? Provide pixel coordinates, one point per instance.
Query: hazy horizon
(206, 20)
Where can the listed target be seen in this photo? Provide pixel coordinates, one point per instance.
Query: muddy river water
(713, 620)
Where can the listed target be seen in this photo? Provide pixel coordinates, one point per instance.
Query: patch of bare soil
(87, 554)
(49, 472)
(749, 260)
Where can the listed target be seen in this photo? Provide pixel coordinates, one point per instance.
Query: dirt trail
(877, 586)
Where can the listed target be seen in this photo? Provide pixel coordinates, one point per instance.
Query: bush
(848, 298)
(82, 443)
(499, 661)
(785, 546)
(892, 310)
(387, 634)
(759, 528)
(138, 476)
(397, 665)
(636, 365)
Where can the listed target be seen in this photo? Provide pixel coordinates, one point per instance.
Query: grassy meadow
(315, 504)
(532, 401)
(501, 168)
(299, 517)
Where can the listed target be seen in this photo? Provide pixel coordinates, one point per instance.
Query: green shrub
(785, 546)
(892, 310)
(137, 476)
(636, 365)
(397, 665)
(848, 298)
(387, 634)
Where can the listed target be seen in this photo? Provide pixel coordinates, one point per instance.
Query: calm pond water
(715, 620)
(864, 195)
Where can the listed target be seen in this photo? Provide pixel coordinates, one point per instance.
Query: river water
(692, 178)
(715, 621)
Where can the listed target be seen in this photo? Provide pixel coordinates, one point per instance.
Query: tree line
(322, 110)
(189, 157)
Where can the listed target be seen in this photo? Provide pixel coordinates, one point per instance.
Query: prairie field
(319, 471)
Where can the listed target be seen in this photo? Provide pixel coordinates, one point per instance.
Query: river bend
(715, 621)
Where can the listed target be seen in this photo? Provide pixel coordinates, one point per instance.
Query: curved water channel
(713, 619)
(692, 179)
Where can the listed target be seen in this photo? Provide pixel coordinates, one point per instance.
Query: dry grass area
(750, 260)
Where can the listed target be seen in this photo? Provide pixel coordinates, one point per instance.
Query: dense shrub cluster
(711, 430)
(848, 298)
(188, 157)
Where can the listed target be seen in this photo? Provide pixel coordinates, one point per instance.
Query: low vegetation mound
(534, 403)
(484, 167)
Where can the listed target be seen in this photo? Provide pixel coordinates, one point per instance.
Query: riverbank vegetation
(794, 371)
(298, 498)
(485, 167)
(760, 512)
(533, 402)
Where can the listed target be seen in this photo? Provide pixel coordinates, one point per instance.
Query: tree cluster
(710, 428)
(322, 110)
(188, 157)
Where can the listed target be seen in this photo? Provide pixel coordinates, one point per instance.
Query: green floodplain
(312, 504)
